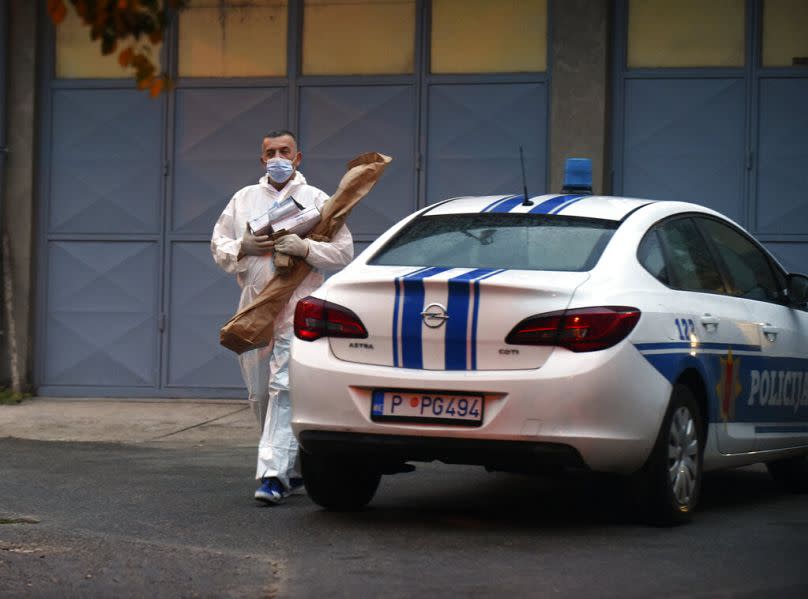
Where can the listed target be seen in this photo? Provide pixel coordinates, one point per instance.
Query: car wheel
(791, 473)
(339, 483)
(671, 478)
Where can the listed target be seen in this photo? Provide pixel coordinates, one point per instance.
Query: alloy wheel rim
(683, 452)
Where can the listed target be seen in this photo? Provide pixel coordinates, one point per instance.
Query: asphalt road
(105, 520)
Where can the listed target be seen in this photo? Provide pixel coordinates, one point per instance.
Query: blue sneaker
(296, 487)
(271, 491)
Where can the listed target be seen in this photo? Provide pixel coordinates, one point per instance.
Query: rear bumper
(391, 449)
(607, 406)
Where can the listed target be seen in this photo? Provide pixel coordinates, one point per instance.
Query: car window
(514, 241)
(651, 257)
(690, 265)
(749, 270)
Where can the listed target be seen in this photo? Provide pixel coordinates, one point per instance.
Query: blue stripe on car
(396, 303)
(475, 316)
(395, 322)
(781, 429)
(566, 205)
(507, 205)
(495, 203)
(687, 345)
(456, 342)
(754, 388)
(411, 322)
(548, 205)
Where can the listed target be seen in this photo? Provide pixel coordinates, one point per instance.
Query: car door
(774, 393)
(709, 330)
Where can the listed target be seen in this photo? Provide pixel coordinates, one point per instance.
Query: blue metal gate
(730, 139)
(130, 301)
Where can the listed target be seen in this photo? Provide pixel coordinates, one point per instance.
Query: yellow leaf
(145, 83)
(156, 88)
(125, 57)
(57, 11)
(108, 47)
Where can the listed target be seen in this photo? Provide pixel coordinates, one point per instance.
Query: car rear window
(513, 241)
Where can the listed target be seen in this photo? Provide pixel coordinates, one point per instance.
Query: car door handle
(770, 332)
(709, 322)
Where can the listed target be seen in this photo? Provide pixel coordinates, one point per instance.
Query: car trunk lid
(447, 318)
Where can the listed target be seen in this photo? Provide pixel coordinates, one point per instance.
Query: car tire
(670, 481)
(791, 473)
(339, 483)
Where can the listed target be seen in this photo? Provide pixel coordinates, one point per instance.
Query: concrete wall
(580, 88)
(19, 185)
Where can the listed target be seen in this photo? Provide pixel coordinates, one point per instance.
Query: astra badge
(434, 315)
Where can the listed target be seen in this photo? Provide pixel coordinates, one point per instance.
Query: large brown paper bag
(253, 326)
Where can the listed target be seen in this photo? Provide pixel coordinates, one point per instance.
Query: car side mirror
(797, 289)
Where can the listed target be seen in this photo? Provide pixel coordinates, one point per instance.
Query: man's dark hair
(280, 133)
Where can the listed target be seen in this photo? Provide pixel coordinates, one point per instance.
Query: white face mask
(280, 169)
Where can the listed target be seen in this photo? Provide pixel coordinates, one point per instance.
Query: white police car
(651, 339)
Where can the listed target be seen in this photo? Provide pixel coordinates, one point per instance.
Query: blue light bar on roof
(577, 176)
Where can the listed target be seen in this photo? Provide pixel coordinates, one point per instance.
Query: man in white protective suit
(236, 250)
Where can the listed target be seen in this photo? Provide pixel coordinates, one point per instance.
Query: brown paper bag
(253, 326)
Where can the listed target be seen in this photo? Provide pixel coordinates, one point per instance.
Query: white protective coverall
(265, 370)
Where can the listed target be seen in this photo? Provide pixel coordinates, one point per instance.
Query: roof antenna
(527, 202)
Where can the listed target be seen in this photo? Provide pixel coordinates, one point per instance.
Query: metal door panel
(684, 140)
(217, 149)
(737, 337)
(106, 162)
(474, 136)
(203, 297)
(792, 256)
(101, 314)
(778, 391)
(338, 123)
(781, 205)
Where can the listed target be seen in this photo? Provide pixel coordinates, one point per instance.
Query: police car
(653, 339)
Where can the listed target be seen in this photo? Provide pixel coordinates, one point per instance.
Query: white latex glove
(292, 245)
(252, 245)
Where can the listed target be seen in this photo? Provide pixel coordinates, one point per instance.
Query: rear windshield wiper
(486, 236)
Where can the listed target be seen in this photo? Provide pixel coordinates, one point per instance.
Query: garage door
(131, 301)
(710, 108)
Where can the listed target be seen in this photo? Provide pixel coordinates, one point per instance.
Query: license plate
(435, 408)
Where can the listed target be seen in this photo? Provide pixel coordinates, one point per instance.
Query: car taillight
(579, 330)
(315, 318)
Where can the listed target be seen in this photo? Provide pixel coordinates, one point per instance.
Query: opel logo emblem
(434, 315)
